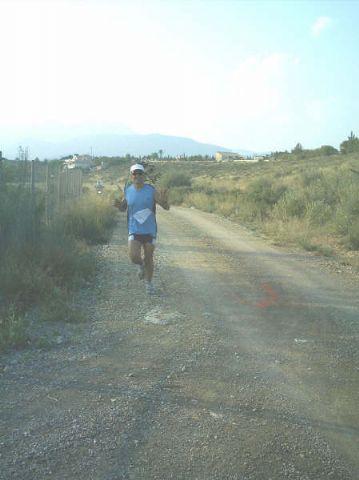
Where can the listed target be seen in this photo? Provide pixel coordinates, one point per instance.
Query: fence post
(46, 193)
(58, 184)
(33, 201)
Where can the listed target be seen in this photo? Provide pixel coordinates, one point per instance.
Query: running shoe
(150, 289)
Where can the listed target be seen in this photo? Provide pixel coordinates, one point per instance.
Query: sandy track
(244, 366)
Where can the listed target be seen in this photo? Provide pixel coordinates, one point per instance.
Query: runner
(140, 202)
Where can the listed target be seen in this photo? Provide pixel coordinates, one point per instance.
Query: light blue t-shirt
(141, 210)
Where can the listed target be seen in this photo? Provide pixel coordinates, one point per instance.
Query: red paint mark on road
(271, 299)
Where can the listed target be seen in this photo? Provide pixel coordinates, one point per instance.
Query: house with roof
(225, 156)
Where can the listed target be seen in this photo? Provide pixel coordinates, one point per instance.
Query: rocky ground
(244, 366)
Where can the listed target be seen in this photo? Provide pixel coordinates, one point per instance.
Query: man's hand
(162, 199)
(120, 204)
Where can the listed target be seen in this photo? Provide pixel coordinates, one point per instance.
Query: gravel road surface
(243, 366)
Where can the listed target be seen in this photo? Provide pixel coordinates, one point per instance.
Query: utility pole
(21, 153)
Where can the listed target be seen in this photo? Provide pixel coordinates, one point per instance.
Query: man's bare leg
(134, 252)
(148, 260)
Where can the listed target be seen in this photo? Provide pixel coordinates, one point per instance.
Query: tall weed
(45, 274)
(353, 235)
(264, 193)
(91, 219)
(13, 328)
(174, 179)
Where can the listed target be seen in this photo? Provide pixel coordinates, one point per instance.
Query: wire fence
(32, 195)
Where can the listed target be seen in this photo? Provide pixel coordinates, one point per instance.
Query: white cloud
(321, 24)
(257, 87)
(256, 97)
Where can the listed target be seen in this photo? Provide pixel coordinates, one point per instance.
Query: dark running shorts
(143, 238)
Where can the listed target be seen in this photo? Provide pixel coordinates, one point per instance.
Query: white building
(224, 156)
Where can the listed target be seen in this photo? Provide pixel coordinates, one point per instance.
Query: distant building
(70, 163)
(78, 161)
(223, 156)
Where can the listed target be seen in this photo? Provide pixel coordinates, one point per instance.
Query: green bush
(291, 205)
(13, 328)
(347, 209)
(200, 200)
(327, 150)
(91, 219)
(310, 176)
(326, 190)
(350, 145)
(353, 235)
(264, 194)
(318, 212)
(66, 260)
(174, 179)
(44, 274)
(178, 195)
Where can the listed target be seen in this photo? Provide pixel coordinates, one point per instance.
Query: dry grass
(44, 274)
(312, 203)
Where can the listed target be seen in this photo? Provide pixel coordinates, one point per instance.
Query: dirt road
(244, 366)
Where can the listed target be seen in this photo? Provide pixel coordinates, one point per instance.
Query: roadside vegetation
(42, 266)
(314, 207)
(303, 198)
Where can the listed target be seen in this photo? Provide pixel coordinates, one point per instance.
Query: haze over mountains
(51, 144)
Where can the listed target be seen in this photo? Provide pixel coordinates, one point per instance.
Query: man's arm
(161, 197)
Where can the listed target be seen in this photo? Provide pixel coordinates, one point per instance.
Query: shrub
(318, 212)
(178, 195)
(289, 206)
(327, 150)
(43, 275)
(350, 145)
(200, 200)
(353, 235)
(326, 189)
(22, 281)
(347, 209)
(91, 219)
(66, 260)
(310, 176)
(264, 193)
(174, 179)
(13, 328)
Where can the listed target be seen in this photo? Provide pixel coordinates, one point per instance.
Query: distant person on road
(140, 201)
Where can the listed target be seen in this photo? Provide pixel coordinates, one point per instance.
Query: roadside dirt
(243, 366)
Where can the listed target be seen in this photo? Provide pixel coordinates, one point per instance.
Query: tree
(160, 153)
(351, 145)
(327, 150)
(298, 148)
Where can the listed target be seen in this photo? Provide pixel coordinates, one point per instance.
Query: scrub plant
(44, 275)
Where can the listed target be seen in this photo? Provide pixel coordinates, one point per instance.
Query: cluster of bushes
(348, 146)
(292, 204)
(42, 265)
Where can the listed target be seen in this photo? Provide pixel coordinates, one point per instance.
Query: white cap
(137, 166)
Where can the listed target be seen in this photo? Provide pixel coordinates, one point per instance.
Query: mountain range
(109, 144)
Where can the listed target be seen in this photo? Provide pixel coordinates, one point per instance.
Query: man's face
(137, 177)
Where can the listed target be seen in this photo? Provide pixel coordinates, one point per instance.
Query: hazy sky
(260, 75)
